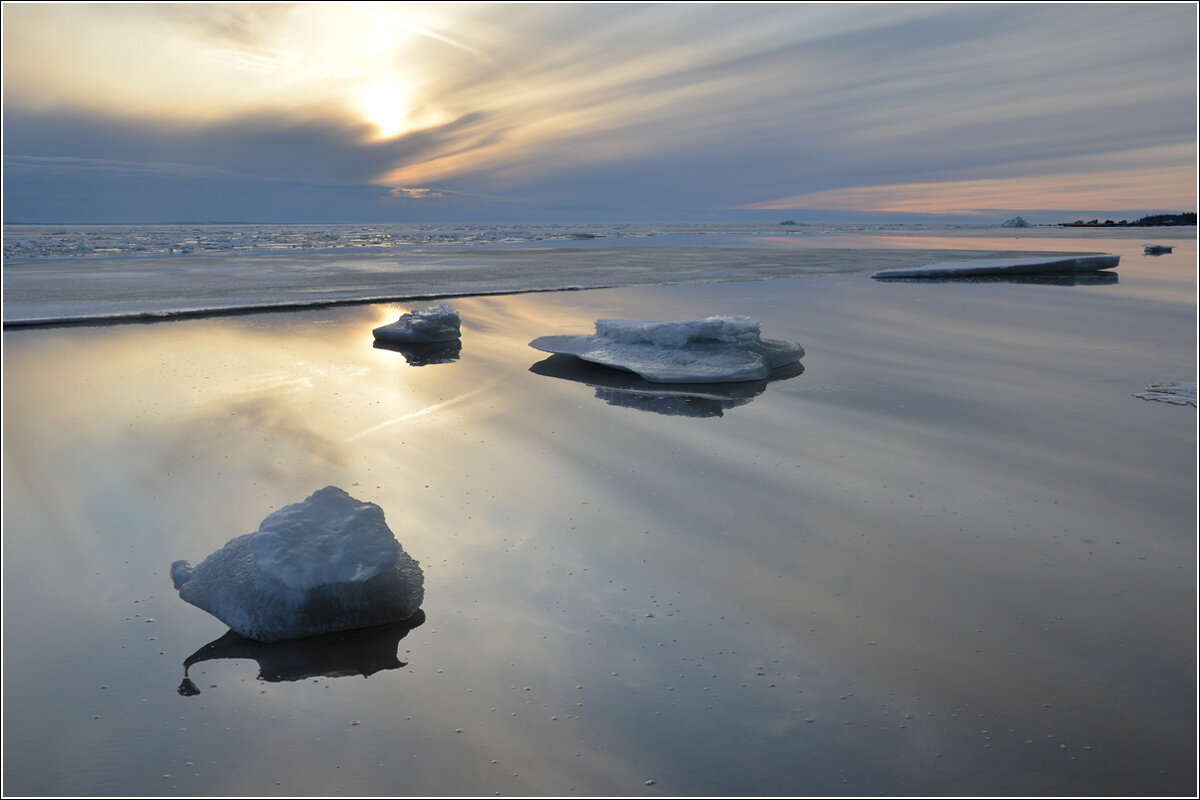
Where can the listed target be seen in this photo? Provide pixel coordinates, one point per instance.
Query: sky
(458, 112)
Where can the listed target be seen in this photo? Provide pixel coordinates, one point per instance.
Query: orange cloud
(415, 193)
(1160, 187)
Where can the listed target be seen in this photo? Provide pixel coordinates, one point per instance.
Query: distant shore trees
(1152, 221)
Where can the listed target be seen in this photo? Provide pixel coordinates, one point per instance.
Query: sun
(385, 105)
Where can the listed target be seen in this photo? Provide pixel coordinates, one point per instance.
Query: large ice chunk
(438, 323)
(327, 564)
(712, 350)
(990, 267)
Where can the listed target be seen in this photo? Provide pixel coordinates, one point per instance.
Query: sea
(951, 552)
(72, 274)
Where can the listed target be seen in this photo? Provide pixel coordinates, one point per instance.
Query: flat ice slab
(712, 350)
(327, 564)
(988, 267)
(1179, 394)
(438, 323)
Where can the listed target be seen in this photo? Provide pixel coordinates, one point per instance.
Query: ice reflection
(334, 655)
(627, 390)
(420, 355)
(1102, 278)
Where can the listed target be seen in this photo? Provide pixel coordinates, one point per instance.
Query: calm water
(952, 555)
(94, 273)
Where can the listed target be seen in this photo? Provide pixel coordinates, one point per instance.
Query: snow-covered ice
(722, 349)
(1180, 394)
(327, 564)
(987, 267)
(438, 323)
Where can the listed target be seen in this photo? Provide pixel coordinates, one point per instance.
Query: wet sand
(953, 555)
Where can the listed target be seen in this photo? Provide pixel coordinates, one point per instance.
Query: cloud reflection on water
(421, 355)
(625, 389)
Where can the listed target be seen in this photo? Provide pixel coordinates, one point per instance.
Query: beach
(953, 554)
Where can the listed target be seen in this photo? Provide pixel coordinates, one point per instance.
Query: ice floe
(327, 564)
(1180, 394)
(987, 267)
(713, 350)
(438, 323)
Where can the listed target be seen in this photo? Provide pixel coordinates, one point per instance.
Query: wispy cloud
(1135, 189)
(719, 106)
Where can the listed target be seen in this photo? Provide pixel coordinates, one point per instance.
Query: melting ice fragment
(327, 564)
(1179, 394)
(438, 323)
(712, 350)
(988, 267)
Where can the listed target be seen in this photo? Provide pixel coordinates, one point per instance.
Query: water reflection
(627, 390)
(420, 355)
(334, 655)
(1103, 278)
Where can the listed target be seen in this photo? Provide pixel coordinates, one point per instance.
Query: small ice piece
(1179, 394)
(988, 267)
(327, 564)
(712, 350)
(1156, 249)
(1015, 222)
(438, 323)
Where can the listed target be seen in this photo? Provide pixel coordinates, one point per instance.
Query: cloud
(610, 105)
(1144, 178)
(265, 146)
(1135, 189)
(416, 193)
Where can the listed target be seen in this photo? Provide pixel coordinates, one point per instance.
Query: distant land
(1153, 221)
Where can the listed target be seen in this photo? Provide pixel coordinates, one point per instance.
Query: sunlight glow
(385, 104)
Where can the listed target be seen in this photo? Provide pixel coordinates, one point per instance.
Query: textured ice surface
(1180, 394)
(985, 267)
(438, 323)
(327, 564)
(712, 350)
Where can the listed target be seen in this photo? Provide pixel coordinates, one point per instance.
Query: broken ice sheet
(1179, 394)
(988, 267)
(724, 349)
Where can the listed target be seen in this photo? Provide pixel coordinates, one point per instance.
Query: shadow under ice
(420, 355)
(359, 652)
(625, 389)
